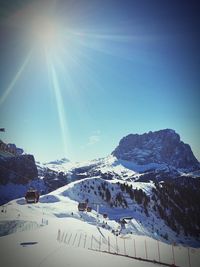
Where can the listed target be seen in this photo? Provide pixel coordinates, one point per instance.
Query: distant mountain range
(154, 176)
(155, 156)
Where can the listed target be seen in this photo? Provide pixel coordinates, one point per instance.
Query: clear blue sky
(77, 76)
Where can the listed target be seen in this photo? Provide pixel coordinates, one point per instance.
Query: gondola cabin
(105, 215)
(89, 209)
(82, 206)
(32, 196)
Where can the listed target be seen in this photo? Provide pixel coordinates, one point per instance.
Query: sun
(45, 33)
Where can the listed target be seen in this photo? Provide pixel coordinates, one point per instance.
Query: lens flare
(45, 33)
(16, 78)
(60, 108)
(69, 50)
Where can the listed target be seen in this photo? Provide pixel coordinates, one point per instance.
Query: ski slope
(52, 231)
(40, 248)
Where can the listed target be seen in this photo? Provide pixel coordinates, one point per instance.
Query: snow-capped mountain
(160, 147)
(155, 156)
(146, 194)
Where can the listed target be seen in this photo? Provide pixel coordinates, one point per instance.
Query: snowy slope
(110, 167)
(40, 247)
(57, 165)
(111, 183)
(53, 232)
(63, 203)
(58, 173)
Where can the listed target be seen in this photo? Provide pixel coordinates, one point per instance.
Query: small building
(32, 196)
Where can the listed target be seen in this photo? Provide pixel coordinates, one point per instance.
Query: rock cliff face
(17, 169)
(162, 147)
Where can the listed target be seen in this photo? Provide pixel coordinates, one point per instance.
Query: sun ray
(60, 106)
(16, 78)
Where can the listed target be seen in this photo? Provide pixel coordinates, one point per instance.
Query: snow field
(53, 232)
(40, 247)
(131, 245)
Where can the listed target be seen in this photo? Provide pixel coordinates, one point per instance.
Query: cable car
(105, 215)
(89, 209)
(82, 206)
(32, 196)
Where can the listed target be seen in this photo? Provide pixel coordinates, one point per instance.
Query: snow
(105, 165)
(63, 165)
(11, 190)
(52, 232)
(63, 202)
(68, 242)
(29, 232)
(41, 248)
(127, 168)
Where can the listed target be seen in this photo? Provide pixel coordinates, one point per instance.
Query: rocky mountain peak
(17, 169)
(162, 147)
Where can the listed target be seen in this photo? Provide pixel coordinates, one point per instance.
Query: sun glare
(45, 33)
(66, 48)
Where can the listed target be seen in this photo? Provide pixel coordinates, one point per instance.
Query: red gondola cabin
(89, 209)
(32, 196)
(82, 206)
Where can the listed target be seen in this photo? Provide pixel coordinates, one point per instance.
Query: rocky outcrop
(17, 169)
(162, 147)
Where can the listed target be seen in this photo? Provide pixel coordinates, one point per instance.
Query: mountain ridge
(57, 173)
(161, 147)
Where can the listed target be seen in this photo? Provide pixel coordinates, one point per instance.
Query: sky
(77, 76)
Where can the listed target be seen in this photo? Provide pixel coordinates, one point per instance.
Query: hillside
(155, 195)
(53, 231)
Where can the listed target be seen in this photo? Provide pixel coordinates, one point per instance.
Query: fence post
(134, 247)
(189, 257)
(58, 236)
(79, 240)
(62, 236)
(124, 247)
(69, 239)
(85, 241)
(108, 244)
(65, 238)
(173, 254)
(91, 241)
(99, 243)
(74, 239)
(146, 248)
(158, 250)
(117, 246)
